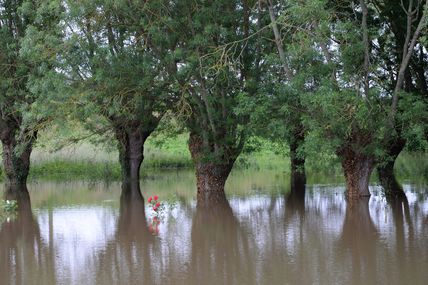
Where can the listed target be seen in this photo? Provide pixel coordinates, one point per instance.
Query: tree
(20, 94)
(216, 71)
(116, 55)
(349, 106)
(285, 80)
(401, 18)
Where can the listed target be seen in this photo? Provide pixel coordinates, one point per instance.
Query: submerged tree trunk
(131, 139)
(211, 178)
(298, 176)
(357, 168)
(16, 155)
(211, 174)
(385, 171)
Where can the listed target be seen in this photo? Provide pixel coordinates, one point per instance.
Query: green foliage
(412, 120)
(8, 206)
(336, 116)
(213, 68)
(216, 71)
(117, 59)
(8, 209)
(325, 50)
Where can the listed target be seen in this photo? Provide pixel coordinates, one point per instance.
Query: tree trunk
(19, 193)
(298, 176)
(131, 151)
(211, 176)
(385, 171)
(357, 168)
(16, 158)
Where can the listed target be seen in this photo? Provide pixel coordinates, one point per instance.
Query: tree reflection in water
(303, 237)
(24, 257)
(127, 258)
(295, 201)
(220, 248)
(359, 242)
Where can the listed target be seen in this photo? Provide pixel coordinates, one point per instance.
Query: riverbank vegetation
(89, 161)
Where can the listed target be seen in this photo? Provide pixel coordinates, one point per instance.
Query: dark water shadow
(404, 233)
(295, 202)
(358, 242)
(24, 257)
(220, 251)
(127, 258)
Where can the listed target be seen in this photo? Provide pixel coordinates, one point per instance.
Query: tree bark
(131, 141)
(385, 171)
(211, 174)
(16, 156)
(357, 168)
(298, 176)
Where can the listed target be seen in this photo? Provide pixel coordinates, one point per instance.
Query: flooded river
(88, 233)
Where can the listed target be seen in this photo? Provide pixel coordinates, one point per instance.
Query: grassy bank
(85, 161)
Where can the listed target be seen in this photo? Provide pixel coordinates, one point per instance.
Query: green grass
(85, 161)
(89, 162)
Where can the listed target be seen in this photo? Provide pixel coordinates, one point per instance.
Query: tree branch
(407, 51)
(278, 40)
(366, 44)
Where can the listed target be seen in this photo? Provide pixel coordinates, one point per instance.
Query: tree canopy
(345, 77)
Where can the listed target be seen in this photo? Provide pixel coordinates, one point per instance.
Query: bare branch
(278, 40)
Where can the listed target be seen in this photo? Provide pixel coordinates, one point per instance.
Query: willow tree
(216, 71)
(116, 55)
(294, 69)
(20, 91)
(409, 115)
(349, 109)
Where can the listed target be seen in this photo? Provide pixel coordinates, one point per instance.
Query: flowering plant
(157, 209)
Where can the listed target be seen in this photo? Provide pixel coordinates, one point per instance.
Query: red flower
(157, 204)
(155, 208)
(155, 197)
(150, 199)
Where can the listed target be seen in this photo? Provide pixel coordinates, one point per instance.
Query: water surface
(87, 233)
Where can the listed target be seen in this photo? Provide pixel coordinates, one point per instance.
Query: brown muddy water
(86, 233)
